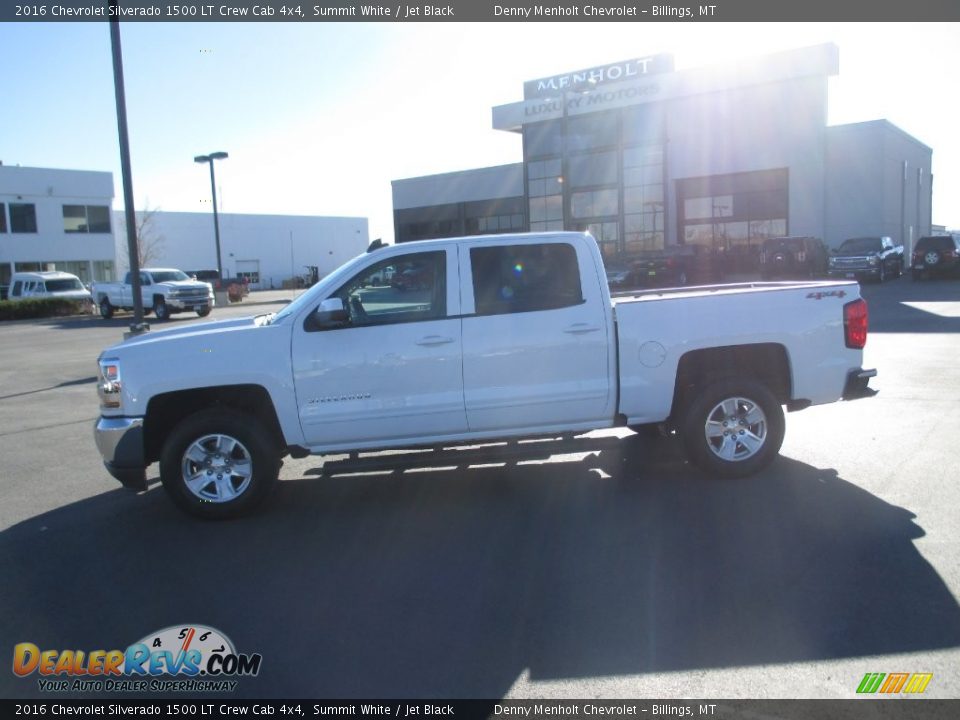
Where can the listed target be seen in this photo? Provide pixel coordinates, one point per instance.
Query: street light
(213, 189)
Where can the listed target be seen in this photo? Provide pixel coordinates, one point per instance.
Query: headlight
(873, 260)
(832, 261)
(109, 386)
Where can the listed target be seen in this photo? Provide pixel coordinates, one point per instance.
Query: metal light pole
(213, 189)
(138, 325)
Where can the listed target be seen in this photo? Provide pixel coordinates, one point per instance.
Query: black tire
(160, 309)
(233, 442)
(883, 272)
(106, 309)
(203, 311)
(752, 411)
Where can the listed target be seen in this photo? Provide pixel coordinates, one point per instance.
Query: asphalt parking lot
(618, 571)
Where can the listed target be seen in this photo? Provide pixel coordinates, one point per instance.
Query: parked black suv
(671, 267)
(936, 255)
(797, 257)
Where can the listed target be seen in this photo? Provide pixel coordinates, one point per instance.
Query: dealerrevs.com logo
(185, 658)
(894, 683)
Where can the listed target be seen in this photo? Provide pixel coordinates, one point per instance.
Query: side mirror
(331, 314)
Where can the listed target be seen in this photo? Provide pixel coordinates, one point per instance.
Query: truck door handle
(431, 340)
(581, 329)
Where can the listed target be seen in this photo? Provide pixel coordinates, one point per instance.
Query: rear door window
(525, 278)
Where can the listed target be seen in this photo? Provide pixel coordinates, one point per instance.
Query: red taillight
(855, 322)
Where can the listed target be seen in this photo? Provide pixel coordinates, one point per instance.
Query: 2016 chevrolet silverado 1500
(866, 257)
(502, 336)
(164, 291)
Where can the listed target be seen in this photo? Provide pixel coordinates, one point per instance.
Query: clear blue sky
(319, 118)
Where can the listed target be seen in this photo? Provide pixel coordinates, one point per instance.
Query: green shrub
(41, 308)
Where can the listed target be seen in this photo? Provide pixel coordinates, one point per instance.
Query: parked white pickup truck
(164, 291)
(501, 336)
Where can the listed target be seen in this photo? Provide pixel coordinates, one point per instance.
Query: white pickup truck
(164, 291)
(501, 336)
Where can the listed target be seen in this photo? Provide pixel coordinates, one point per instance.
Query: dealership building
(720, 158)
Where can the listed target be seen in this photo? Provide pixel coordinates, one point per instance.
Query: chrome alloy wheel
(217, 468)
(736, 429)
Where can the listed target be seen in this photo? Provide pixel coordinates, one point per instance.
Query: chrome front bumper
(191, 303)
(120, 442)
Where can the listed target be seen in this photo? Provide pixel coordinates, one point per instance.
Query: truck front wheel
(218, 464)
(106, 309)
(160, 309)
(733, 428)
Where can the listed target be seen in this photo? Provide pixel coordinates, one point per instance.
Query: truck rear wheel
(218, 464)
(733, 428)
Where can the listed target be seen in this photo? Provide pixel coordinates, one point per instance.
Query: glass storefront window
(762, 229)
(641, 156)
(649, 175)
(541, 139)
(547, 208)
(596, 130)
(606, 233)
(642, 125)
(731, 215)
(643, 199)
(546, 226)
(595, 203)
(544, 169)
(547, 186)
(593, 169)
(708, 207)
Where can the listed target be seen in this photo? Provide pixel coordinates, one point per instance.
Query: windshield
(856, 245)
(63, 285)
(169, 276)
(775, 244)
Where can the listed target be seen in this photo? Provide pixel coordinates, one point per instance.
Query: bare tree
(149, 239)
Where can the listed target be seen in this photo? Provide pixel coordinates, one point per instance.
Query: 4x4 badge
(829, 293)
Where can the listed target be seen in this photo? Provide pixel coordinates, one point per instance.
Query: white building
(53, 219)
(265, 249)
(56, 220)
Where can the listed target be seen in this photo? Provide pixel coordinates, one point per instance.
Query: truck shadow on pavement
(904, 306)
(455, 583)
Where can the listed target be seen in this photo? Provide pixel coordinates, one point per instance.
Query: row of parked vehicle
(862, 258)
(164, 291)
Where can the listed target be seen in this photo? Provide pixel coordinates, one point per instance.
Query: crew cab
(164, 291)
(876, 258)
(505, 336)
